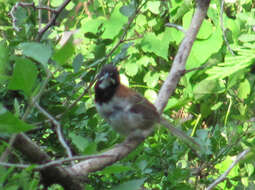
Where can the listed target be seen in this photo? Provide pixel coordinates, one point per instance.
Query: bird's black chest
(104, 95)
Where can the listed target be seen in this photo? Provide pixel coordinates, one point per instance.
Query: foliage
(214, 104)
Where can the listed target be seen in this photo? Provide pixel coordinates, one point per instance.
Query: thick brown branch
(118, 152)
(36, 155)
(180, 59)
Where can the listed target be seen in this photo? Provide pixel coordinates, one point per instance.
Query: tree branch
(58, 127)
(52, 20)
(115, 154)
(224, 175)
(50, 175)
(178, 67)
(52, 163)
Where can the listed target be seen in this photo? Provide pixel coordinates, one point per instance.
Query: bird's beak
(105, 81)
(105, 77)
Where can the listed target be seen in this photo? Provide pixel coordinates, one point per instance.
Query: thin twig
(224, 175)
(22, 4)
(54, 162)
(79, 98)
(32, 5)
(53, 19)
(14, 20)
(122, 38)
(223, 29)
(58, 127)
(178, 27)
(39, 17)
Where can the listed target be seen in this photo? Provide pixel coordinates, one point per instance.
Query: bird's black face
(107, 83)
(108, 77)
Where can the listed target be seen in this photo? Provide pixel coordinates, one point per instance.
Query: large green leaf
(91, 25)
(151, 79)
(157, 44)
(114, 25)
(154, 6)
(79, 141)
(11, 124)
(24, 76)
(244, 89)
(64, 53)
(4, 59)
(206, 87)
(203, 49)
(205, 30)
(114, 169)
(232, 64)
(247, 38)
(128, 10)
(132, 184)
(38, 51)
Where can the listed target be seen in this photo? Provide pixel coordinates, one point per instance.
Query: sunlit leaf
(132, 184)
(38, 51)
(11, 124)
(24, 76)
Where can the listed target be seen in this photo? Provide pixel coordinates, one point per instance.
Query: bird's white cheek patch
(104, 84)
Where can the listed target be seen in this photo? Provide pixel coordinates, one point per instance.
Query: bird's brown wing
(142, 106)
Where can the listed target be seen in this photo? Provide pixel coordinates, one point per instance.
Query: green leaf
(115, 24)
(204, 141)
(145, 61)
(77, 62)
(79, 141)
(123, 53)
(131, 68)
(216, 106)
(203, 49)
(206, 87)
(233, 64)
(128, 10)
(224, 165)
(130, 185)
(244, 89)
(154, 6)
(151, 79)
(4, 61)
(247, 38)
(38, 51)
(64, 53)
(205, 30)
(116, 168)
(91, 25)
(24, 76)
(151, 95)
(156, 44)
(20, 15)
(11, 124)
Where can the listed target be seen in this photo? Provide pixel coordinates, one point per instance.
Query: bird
(127, 111)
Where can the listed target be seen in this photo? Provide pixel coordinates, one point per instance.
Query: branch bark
(224, 175)
(178, 67)
(50, 175)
